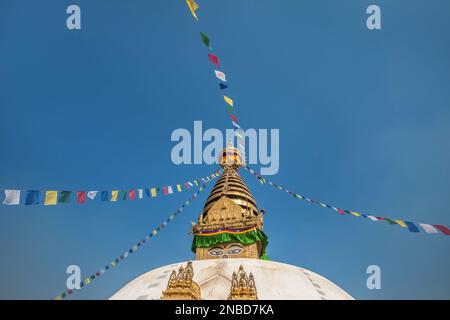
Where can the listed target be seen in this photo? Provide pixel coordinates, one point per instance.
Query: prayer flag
(205, 39)
(165, 192)
(442, 229)
(214, 59)
(192, 6)
(178, 188)
(169, 189)
(132, 194)
(153, 190)
(81, 197)
(114, 195)
(372, 218)
(228, 100)
(140, 193)
(32, 197)
(356, 214)
(233, 118)
(104, 195)
(91, 194)
(222, 86)
(51, 197)
(401, 223)
(428, 228)
(236, 125)
(124, 194)
(147, 192)
(412, 227)
(12, 197)
(64, 196)
(220, 75)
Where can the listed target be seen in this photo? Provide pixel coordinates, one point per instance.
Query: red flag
(233, 117)
(214, 59)
(132, 194)
(81, 197)
(341, 211)
(442, 229)
(165, 191)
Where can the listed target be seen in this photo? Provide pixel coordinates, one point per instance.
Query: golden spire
(230, 210)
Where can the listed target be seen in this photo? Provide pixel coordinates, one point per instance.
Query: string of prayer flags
(220, 75)
(411, 226)
(205, 39)
(214, 59)
(12, 197)
(53, 197)
(133, 248)
(192, 7)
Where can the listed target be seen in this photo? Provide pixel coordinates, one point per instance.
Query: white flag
(428, 228)
(92, 194)
(220, 75)
(169, 190)
(140, 193)
(372, 218)
(12, 197)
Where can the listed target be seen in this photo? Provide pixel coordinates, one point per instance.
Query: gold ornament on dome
(181, 286)
(242, 286)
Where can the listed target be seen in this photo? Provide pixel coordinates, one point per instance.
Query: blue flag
(412, 227)
(223, 86)
(104, 195)
(32, 197)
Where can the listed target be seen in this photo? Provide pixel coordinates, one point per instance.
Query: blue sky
(363, 118)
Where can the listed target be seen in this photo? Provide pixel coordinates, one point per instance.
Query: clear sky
(364, 122)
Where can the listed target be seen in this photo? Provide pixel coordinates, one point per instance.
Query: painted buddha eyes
(226, 250)
(215, 251)
(234, 249)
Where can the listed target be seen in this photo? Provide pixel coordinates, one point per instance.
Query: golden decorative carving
(242, 286)
(181, 286)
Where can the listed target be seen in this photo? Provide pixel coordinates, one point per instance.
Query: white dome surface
(274, 281)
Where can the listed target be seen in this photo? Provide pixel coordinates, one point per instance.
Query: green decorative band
(246, 238)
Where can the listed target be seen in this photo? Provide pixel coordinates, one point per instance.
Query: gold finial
(181, 285)
(242, 287)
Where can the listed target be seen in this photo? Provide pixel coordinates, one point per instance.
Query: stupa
(230, 255)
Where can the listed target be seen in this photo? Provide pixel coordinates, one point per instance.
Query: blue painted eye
(235, 250)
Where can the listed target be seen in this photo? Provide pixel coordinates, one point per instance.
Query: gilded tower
(230, 225)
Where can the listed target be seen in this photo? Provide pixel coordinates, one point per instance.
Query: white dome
(274, 281)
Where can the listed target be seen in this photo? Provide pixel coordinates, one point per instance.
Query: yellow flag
(356, 214)
(401, 222)
(87, 281)
(192, 6)
(114, 195)
(178, 187)
(51, 197)
(228, 100)
(153, 192)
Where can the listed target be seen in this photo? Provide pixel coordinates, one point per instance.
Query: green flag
(124, 194)
(205, 39)
(64, 196)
